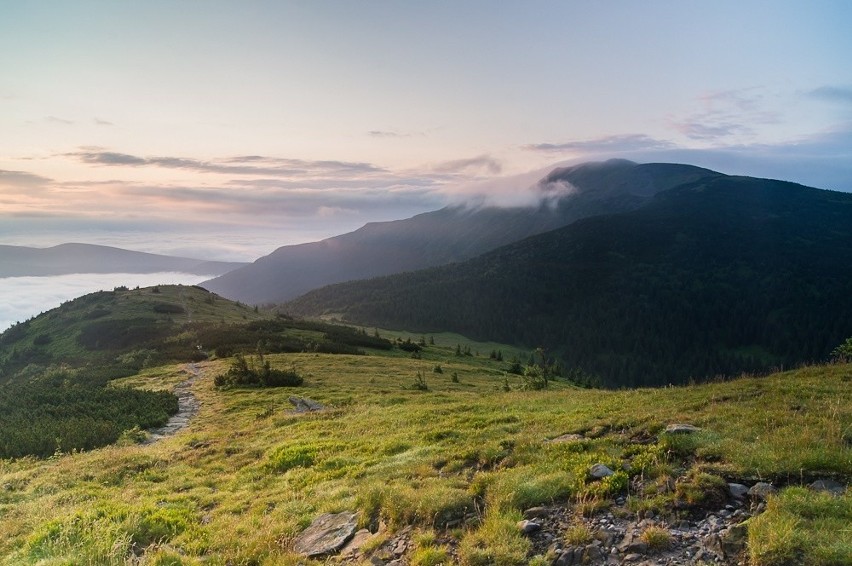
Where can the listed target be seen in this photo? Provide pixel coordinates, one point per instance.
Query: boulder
(761, 490)
(738, 490)
(528, 527)
(729, 543)
(327, 534)
(536, 513)
(566, 438)
(831, 486)
(305, 405)
(599, 471)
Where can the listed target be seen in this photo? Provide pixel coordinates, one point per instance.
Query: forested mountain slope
(718, 276)
(452, 233)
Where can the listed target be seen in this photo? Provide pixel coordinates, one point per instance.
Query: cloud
(623, 142)
(484, 163)
(384, 134)
(21, 179)
(729, 114)
(99, 122)
(55, 120)
(245, 165)
(832, 93)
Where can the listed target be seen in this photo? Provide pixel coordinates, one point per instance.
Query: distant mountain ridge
(450, 234)
(713, 277)
(22, 261)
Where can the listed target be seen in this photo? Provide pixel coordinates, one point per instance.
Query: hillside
(20, 261)
(57, 369)
(450, 234)
(714, 277)
(445, 475)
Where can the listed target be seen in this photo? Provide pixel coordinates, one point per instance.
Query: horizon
(225, 131)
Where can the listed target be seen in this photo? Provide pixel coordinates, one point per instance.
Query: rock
(830, 486)
(305, 405)
(761, 490)
(599, 471)
(327, 534)
(738, 490)
(356, 542)
(633, 557)
(637, 547)
(728, 543)
(680, 428)
(566, 438)
(569, 557)
(376, 561)
(528, 527)
(606, 536)
(535, 513)
(593, 555)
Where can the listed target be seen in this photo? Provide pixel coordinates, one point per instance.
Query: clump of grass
(698, 488)
(800, 526)
(496, 542)
(657, 538)
(578, 534)
(288, 457)
(431, 556)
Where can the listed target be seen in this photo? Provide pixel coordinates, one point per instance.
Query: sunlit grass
(248, 474)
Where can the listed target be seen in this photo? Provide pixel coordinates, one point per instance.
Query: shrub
(257, 372)
(657, 538)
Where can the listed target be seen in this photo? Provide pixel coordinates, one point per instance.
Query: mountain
(713, 277)
(450, 234)
(20, 261)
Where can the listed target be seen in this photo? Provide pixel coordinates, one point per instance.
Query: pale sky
(226, 129)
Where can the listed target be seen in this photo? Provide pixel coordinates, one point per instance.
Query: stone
(730, 542)
(593, 555)
(738, 490)
(305, 405)
(569, 557)
(680, 428)
(637, 547)
(566, 438)
(831, 486)
(761, 490)
(354, 545)
(633, 557)
(535, 513)
(599, 471)
(327, 534)
(528, 527)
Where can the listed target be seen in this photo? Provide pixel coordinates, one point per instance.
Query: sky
(222, 130)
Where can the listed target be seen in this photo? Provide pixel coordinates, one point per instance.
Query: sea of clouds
(25, 297)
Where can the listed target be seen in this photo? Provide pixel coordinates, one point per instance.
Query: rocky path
(187, 407)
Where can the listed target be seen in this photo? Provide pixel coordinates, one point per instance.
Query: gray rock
(599, 471)
(738, 490)
(637, 547)
(593, 555)
(528, 527)
(535, 513)
(376, 561)
(633, 557)
(305, 405)
(355, 543)
(566, 438)
(569, 557)
(681, 428)
(831, 486)
(728, 543)
(761, 490)
(327, 534)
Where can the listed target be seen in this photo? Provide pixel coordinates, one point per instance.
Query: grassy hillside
(458, 462)
(57, 370)
(715, 277)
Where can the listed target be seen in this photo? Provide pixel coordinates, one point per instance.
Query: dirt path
(187, 407)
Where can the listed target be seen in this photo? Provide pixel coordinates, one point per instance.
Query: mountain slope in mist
(715, 277)
(20, 261)
(450, 234)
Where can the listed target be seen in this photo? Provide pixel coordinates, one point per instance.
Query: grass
(248, 475)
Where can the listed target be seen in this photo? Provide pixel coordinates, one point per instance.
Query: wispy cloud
(726, 115)
(616, 143)
(386, 134)
(99, 122)
(483, 163)
(832, 93)
(21, 179)
(244, 165)
(56, 120)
